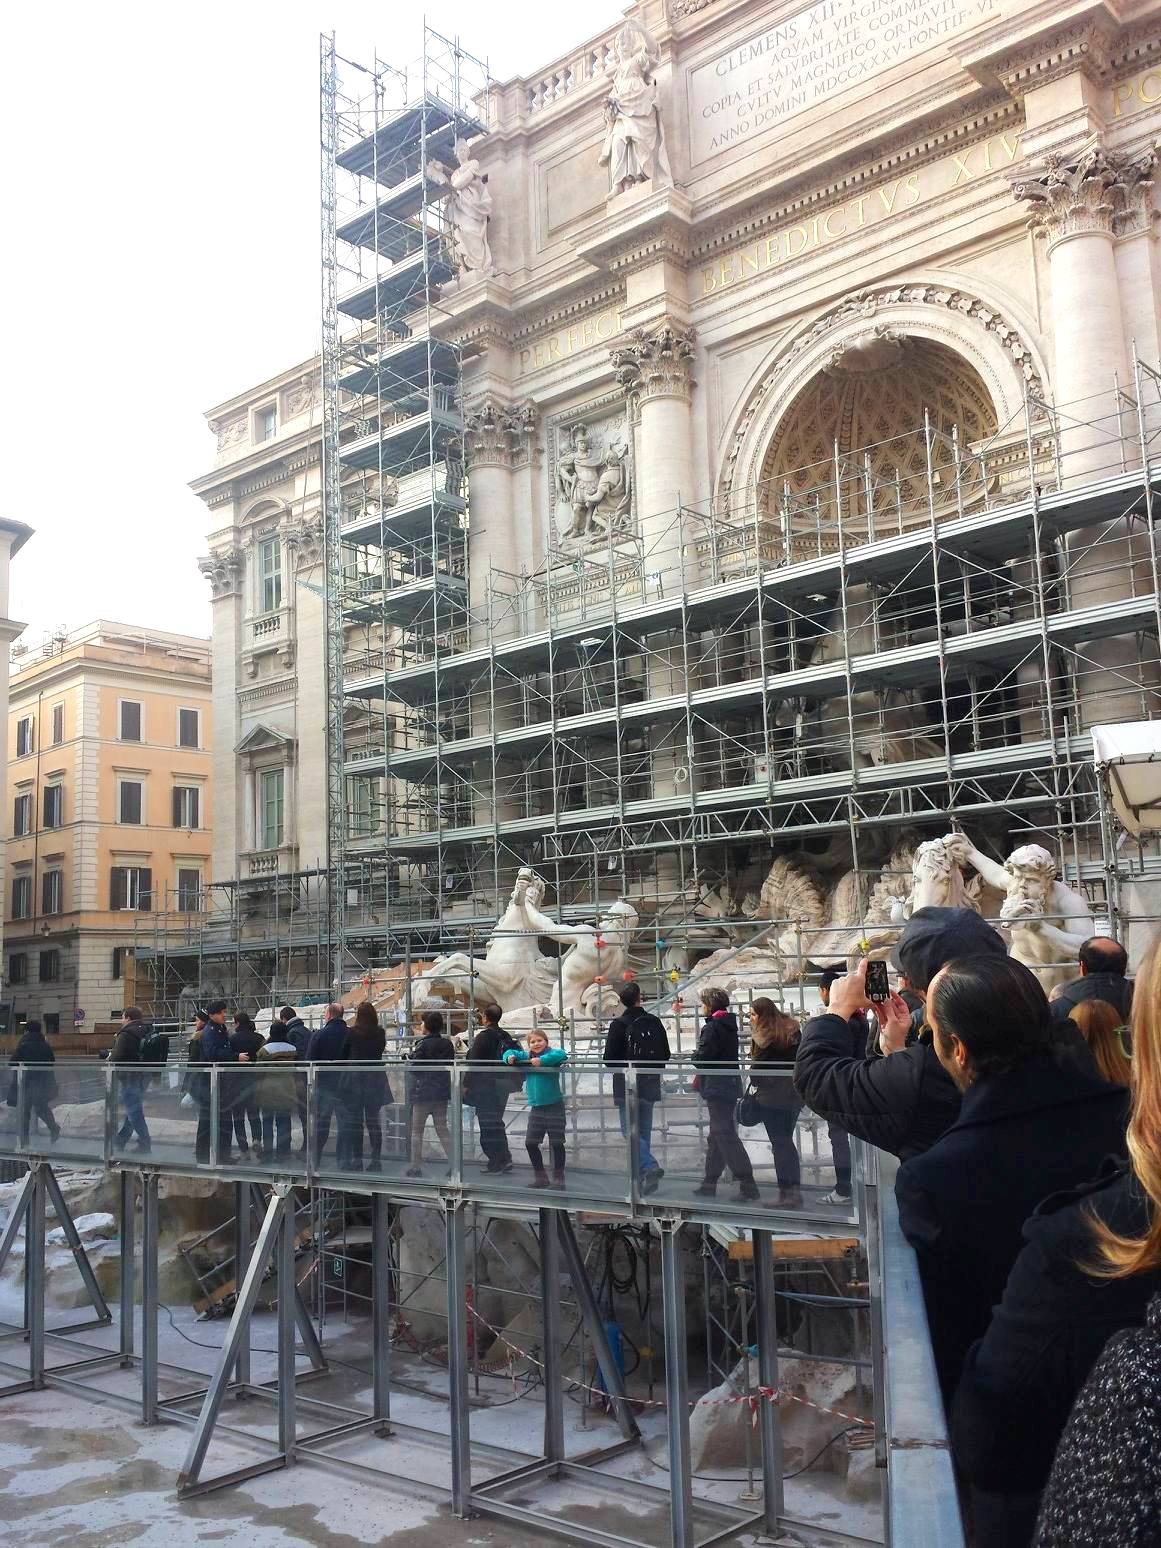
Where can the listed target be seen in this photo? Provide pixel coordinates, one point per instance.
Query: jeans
(779, 1124)
(644, 1132)
(493, 1136)
(275, 1122)
(134, 1122)
(546, 1121)
(724, 1147)
(420, 1113)
(840, 1150)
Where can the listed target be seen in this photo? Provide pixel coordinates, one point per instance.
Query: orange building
(108, 821)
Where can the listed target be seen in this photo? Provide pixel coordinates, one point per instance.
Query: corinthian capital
(656, 362)
(499, 434)
(223, 570)
(1095, 192)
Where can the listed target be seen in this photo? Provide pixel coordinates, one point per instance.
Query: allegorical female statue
(634, 146)
(471, 207)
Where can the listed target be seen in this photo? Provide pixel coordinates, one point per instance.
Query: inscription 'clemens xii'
(820, 52)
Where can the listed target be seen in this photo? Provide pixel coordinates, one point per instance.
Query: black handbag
(748, 1112)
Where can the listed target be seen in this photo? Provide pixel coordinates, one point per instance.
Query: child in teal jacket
(546, 1100)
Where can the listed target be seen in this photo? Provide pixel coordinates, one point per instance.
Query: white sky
(159, 185)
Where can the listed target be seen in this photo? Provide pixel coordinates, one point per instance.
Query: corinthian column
(496, 436)
(1079, 206)
(654, 370)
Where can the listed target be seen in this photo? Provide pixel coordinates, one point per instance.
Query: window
(51, 1021)
(188, 728)
(270, 808)
(22, 897)
(50, 967)
(130, 887)
(130, 720)
(129, 800)
(52, 892)
(118, 964)
(266, 423)
(22, 815)
(187, 806)
(17, 967)
(24, 738)
(269, 575)
(362, 805)
(54, 806)
(189, 890)
(57, 724)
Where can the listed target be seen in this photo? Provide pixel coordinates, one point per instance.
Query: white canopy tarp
(1128, 757)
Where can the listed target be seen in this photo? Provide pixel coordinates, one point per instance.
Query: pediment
(262, 738)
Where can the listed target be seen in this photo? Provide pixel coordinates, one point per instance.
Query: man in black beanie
(905, 1102)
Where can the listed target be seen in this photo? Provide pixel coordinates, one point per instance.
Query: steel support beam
(128, 1267)
(769, 1417)
(381, 1310)
(150, 1241)
(457, 1359)
(242, 1207)
(676, 1385)
(72, 1236)
(595, 1327)
(287, 1297)
(551, 1314)
(34, 1274)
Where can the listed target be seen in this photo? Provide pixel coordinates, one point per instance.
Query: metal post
(241, 1262)
(287, 1291)
(34, 1275)
(676, 1386)
(457, 1360)
(149, 1297)
(381, 1310)
(215, 1109)
(247, 1295)
(128, 1295)
(595, 1325)
(769, 1418)
(742, 1294)
(550, 1302)
(80, 1256)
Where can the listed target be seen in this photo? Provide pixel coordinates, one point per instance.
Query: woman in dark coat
(774, 1038)
(365, 1091)
(717, 1059)
(240, 1092)
(33, 1052)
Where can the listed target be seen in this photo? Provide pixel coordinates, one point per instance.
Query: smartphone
(878, 990)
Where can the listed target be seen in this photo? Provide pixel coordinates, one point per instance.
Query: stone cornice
(303, 444)
(1064, 45)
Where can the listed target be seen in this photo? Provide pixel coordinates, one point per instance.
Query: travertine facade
(107, 827)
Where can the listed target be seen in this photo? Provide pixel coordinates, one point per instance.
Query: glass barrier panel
(363, 1121)
(257, 1106)
(151, 1115)
(56, 1109)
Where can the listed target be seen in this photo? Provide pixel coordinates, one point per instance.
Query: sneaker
(541, 1180)
(506, 1166)
(747, 1192)
(413, 1171)
(789, 1198)
(706, 1191)
(835, 1197)
(650, 1179)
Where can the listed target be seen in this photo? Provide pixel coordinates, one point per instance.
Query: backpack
(644, 1037)
(154, 1047)
(514, 1073)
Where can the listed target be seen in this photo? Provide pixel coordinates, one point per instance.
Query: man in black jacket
(131, 1085)
(328, 1046)
(902, 1103)
(433, 1055)
(487, 1090)
(1103, 962)
(1032, 1122)
(840, 1140)
(638, 1037)
(294, 1030)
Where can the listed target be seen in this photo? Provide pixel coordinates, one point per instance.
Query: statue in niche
(593, 488)
(634, 144)
(471, 208)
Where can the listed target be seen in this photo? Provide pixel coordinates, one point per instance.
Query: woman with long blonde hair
(1089, 1267)
(774, 1038)
(1102, 1027)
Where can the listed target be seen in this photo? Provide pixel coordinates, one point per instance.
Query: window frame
(117, 963)
(22, 803)
(196, 744)
(23, 881)
(55, 875)
(26, 734)
(265, 424)
(58, 721)
(184, 906)
(51, 956)
(264, 802)
(56, 789)
(123, 782)
(183, 797)
(134, 893)
(268, 576)
(139, 739)
(20, 977)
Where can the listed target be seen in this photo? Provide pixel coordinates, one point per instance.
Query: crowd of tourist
(1030, 1183)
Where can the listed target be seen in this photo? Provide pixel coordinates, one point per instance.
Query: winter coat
(327, 1044)
(774, 1085)
(195, 1083)
(367, 1044)
(903, 1103)
(640, 1037)
(1021, 1379)
(274, 1078)
(127, 1050)
(489, 1046)
(717, 1058)
(541, 1085)
(963, 1204)
(216, 1047)
(431, 1084)
(1114, 988)
(243, 1040)
(1105, 1486)
(34, 1053)
(295, 1033)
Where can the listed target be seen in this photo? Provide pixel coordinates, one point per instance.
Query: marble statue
(471, 208)
(1046, 921)
(595, 952)
(593, 488)
(634, 144)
